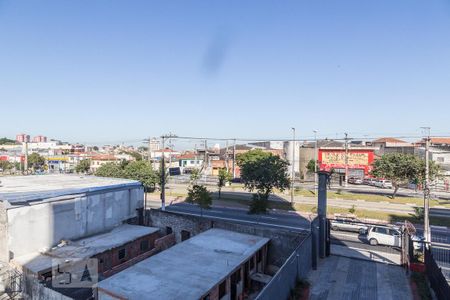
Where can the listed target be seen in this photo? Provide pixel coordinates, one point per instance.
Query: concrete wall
(44, 224)
(3, 234)
(296, 267)
(282, 242)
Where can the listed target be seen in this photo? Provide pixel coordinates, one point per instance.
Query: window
(144, 245)
(122, 253)
(252, 263)
(222, 289)
(393, 232)
(381, 230)
(207, 297)
(168, 230)
(440, 159)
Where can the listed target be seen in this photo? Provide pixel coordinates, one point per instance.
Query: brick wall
(282, 242)
(110, 260)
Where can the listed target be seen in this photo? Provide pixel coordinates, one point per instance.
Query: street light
(315, 160)
(293, 165)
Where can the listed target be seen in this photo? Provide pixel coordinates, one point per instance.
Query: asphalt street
(291, 221)
(382, 206)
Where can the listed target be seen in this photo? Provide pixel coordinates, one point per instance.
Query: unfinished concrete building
(38, 212)
(215, 264)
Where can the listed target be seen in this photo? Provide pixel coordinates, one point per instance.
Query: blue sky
(111, 71)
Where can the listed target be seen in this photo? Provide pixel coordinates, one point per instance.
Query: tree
(224, 178)
(311, 166)
(5, 165)
(402, 168)
(83, 166)
(110, 169)
(36, 161)
(143, 172)
(262, 172)
(95, 148)
(137, 170)
(195, 176)
(6, 141)
(199, 195)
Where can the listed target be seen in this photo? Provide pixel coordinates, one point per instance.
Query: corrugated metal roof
(22, 189)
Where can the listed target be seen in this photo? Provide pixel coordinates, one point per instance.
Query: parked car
(355, 180)
(369, 181)
(384, 235)
(384, 184)
(348, 224)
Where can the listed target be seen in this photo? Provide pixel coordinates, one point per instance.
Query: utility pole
(234, 159)
(150, 152)
(226, 156)
(25, 163)
(163, 171)
(346, 159)
(293, 165)
(163, 176)
(426, 190)
(316, 186)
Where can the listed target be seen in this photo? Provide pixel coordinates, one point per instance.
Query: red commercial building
(360, 160)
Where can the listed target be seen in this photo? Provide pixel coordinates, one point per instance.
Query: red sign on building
(359, 160)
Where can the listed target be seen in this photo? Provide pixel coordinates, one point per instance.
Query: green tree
(6, 141)
(402, 168)
(224, 178)
(251, 156)
(143, 172)
(199, 195)
(311, 166)
(95, 148)
(195, 176)
(262, 172)
(83, 166)
(5, 165)
(36, 161)
(137, 170)
(110, 169)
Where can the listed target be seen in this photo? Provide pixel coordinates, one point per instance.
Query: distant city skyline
(103, 72)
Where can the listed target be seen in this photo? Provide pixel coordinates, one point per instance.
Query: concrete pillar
(322, 213)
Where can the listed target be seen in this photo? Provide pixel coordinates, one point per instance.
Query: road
(291, 221)
(382, 206)
(294, 221)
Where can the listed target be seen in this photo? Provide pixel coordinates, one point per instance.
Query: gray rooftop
(84, 248)
(187, 270)
(17, 189)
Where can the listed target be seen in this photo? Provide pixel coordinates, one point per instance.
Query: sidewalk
(339, 277)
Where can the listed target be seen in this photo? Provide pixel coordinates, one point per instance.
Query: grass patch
(360, 213)
(372, 198)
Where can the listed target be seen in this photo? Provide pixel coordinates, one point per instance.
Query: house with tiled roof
(392, 145)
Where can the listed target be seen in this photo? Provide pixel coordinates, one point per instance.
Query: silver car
(348, 224)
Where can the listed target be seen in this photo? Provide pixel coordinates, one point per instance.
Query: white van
(383, 235)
